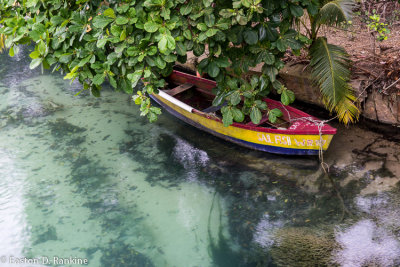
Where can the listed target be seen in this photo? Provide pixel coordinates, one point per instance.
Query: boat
(189, 98)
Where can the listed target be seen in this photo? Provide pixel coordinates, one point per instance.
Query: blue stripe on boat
(266, 148)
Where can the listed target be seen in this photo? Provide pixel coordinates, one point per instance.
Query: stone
(382, 108)
(298, 79)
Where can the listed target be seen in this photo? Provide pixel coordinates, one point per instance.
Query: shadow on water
(220, 249)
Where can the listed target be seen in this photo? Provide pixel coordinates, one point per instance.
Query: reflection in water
(190, 157)
(89, 178)
(265, 232)
(13, 233)
(364, 243)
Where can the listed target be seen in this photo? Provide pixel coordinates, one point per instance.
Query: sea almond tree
(126, 43)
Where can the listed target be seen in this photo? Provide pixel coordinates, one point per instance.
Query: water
(84, 178)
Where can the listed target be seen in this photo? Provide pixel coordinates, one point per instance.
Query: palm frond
(2, 42)
(346, 111)
(330, 70)
(335, 12)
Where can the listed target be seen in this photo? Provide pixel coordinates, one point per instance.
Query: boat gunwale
(249, 144)
(313, 130)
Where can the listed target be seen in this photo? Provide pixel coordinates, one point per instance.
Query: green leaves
(56, 20)
(231, 114)
(335, 12)
(166, 44)
(209, 20)
(151, 26)
(255, 115)
(35, 54)
(98, 79)
(227, 118)
(250, 37)
(101, 21)
(35, 62)
(271, 72)
(11, 51)
(185, 10)
(202, 27)
(135, 77)
(125, 42)
(180, 49)
(235, 98)
(211, 32)
(227, 13)
(198, 49)
(331, 71)
(237, 114)
(296, 10)
(160, 63)
(109, 12)
(274, 114)
(121, 20)
(287, 97)
(213, 69)
(101, 43)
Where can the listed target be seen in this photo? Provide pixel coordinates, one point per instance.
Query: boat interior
(200, 97)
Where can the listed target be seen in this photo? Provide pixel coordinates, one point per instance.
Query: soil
(375, 64)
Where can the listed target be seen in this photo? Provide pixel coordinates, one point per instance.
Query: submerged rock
(119, 255)
(303, 247)
(61, 128)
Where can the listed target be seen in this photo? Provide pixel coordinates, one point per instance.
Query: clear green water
(88, 178)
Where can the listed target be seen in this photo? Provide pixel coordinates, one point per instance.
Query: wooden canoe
(189, 98)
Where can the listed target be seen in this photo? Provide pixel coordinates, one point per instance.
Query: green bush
(125, 42)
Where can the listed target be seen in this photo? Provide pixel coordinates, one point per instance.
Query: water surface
(88, 178)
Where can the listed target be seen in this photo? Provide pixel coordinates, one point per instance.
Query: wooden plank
(214, 108)
(179, 89)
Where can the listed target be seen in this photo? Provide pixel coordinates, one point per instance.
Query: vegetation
(125, 42)
(329, 63)
(378, 28)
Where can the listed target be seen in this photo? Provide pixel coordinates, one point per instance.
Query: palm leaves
(2, 42)
(335, 12)
(330, 70)
(330, 66)
(346, 110)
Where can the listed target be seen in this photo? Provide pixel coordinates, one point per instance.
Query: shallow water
(88, 178)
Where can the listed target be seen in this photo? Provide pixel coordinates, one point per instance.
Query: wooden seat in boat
(179, 89)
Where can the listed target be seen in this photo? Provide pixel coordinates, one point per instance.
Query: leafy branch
(129, 42)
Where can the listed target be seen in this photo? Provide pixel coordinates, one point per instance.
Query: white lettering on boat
(309, 142)
(284, 140)
(264, 137)
(294, 125)
(318, 142)
(279, 139)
